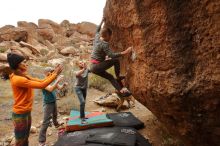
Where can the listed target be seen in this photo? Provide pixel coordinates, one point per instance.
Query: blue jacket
(49, 97)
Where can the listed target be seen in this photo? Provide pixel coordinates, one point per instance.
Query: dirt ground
(153, 130)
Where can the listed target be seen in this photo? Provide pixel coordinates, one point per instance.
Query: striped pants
(22, 125)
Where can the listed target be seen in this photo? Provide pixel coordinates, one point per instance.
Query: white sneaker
(83, 121)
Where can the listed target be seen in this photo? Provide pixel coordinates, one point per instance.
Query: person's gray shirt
(82, 80)
(101, 48)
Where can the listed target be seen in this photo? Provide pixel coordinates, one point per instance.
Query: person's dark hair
(14, 60)
(105, 32)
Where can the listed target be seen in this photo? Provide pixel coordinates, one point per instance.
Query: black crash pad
(141, 141)
(125, 119)
(116, 136)
(119, 135)
(77, 138)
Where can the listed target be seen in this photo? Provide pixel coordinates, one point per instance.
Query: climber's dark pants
(100, 70)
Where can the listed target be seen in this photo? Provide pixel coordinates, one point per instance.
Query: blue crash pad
(95, 120)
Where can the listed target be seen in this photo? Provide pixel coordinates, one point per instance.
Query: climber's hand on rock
(128, 50)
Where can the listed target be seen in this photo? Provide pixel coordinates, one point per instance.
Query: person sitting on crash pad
(99, 63)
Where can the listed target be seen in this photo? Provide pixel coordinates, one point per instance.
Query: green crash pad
(95, 120)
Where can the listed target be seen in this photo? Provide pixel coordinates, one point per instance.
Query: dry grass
(44, 52)
(3, 49)
(69, 103)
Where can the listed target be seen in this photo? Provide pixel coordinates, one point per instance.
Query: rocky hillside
(175, 70)
(47, 42)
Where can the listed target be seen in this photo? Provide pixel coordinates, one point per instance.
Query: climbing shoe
(83, 121)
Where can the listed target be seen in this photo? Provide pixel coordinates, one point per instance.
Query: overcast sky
(75, 11)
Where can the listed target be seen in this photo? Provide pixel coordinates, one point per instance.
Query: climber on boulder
(102, 58)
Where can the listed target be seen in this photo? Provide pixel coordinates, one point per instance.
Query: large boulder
(51, 24)
(57, 61)
(175, 69)
(49, 45)
(48, 30)
(3, 57)
(6, 46)
(71, 29)
(66, 24)
(8, 33)
(109, 100)
(62, 41)
(47, 33)
(68, 51)
(33, 49)
(31, 28)
(24, 51)
(86, 28)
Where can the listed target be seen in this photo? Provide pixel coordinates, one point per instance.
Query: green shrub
(2, 49)
(44, 52)
(43, 64)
